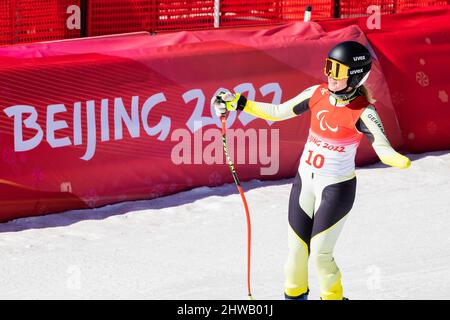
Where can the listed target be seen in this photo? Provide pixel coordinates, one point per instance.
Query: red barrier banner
(85, 123)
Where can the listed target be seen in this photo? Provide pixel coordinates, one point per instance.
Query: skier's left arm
(370, 124)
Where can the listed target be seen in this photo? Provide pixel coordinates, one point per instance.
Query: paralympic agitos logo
(323, 122)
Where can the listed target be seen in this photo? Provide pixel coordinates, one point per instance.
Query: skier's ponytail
(365, 92)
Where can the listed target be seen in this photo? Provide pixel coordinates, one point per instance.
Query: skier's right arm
(274, 112)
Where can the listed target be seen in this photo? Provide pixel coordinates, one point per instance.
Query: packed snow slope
(192, 245)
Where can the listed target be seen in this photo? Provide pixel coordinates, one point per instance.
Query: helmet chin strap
(343, 95)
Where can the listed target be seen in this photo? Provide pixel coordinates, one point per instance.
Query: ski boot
(303, 296)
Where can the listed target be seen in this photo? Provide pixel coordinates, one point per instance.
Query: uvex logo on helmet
(356, 71)
(359, 58)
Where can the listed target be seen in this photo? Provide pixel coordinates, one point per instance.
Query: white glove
(220, 103)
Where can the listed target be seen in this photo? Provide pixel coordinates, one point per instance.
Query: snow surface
(192, 245)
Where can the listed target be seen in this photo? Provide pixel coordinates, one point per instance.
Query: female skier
(324, 188)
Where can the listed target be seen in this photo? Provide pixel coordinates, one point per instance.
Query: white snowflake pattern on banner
(91, 198)
(422, 79)
(215, 179)
(443, 96)
(431, 127)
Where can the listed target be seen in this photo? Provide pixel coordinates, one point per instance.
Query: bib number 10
(315, 160)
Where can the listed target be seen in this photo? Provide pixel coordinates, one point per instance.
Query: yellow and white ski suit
(324, 188)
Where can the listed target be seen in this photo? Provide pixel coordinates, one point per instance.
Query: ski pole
(223, 119)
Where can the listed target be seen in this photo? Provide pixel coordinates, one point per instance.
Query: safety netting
(40, 20)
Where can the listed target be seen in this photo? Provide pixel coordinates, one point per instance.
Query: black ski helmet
(356, 57)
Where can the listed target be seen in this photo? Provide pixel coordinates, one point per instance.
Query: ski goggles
(337, 70)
